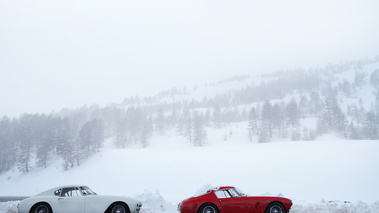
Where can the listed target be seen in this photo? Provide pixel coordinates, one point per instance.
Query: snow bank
(155, 203)
(335, 207)
(8, 207)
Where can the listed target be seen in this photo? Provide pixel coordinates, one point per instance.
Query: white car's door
(95, 203)
(71, 204)
(71, 201)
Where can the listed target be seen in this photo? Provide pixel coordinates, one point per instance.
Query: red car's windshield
(228, 193)
(240, 192)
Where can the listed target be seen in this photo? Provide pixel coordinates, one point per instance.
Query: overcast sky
(67, 53)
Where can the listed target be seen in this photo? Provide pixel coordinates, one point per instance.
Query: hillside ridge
(295, 105)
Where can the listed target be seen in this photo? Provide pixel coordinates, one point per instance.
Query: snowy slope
(307, 172)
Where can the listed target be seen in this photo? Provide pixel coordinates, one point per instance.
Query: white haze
(57, 54)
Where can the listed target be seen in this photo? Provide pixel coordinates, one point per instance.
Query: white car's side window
(58, 192)
(76, 192)
(70, 192)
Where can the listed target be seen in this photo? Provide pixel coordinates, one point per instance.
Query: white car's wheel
(41, 208)
(119, 208)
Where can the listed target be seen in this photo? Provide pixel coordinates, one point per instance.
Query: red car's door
(235, 204)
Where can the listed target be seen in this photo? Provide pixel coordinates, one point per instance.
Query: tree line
(275, 108)
(35, 139)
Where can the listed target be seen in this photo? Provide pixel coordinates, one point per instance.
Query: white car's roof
(51, 191)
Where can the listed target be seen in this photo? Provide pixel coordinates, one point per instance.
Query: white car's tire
(119, 208)
(41, 208)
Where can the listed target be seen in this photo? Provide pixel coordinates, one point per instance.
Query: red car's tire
(275, 207)
(208, 208)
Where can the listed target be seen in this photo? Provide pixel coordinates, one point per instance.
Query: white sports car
(77, 199)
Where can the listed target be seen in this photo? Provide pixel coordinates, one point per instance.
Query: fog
(57, 54)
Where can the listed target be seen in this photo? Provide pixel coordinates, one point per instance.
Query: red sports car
(228, 199)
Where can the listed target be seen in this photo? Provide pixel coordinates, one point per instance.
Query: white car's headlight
(139, 205)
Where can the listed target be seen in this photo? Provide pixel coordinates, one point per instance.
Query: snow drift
(310, 173)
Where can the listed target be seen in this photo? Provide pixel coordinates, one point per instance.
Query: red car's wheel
(275, 208)
(208, 208)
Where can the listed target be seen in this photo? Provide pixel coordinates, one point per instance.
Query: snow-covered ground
(154, 203)
(311, 173)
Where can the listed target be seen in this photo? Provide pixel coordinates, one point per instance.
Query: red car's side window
(222, 194)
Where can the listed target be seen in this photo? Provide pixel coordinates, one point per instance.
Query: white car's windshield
(86, 190)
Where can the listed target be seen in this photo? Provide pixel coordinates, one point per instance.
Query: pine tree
(147, 129)
(217, 116)
(62, 135)
(180, 126)
(121, 138)
(371, 126)
(266, 120)
(374, 79)
(292, 113)
(332, 117)
(3, 153)
(253, 128)
(187, 130)
(308, 134)
(91, 136)
(360, 79)
(279, 118)
(160, 122)
(68, 154)
(198, 130)
(357, 114)
(296, 134)
(173, 119)
(44, 142)
(353, 132)
(264, 134)
(315, 105)
(97, 135)
(25, 138)
(8, 146)
(85, 135)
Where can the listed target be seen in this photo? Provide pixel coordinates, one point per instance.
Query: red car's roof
(210, 189)
(223, 187)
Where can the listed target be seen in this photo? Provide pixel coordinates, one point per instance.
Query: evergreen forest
(298, 105)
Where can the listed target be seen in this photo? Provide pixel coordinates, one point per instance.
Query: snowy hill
(311, 136)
